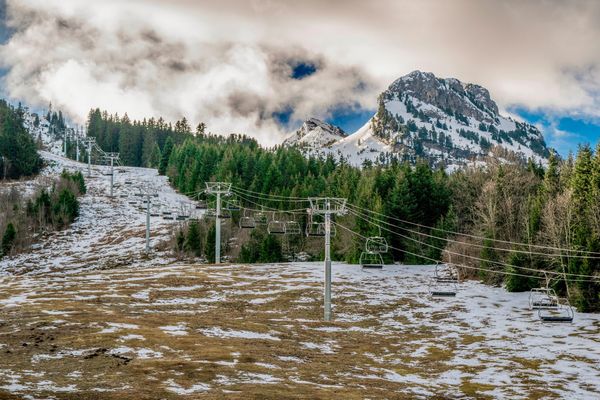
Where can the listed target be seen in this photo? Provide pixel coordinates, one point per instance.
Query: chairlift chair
(442, 288)
(201, 205)
(371, 260)
(563, 312)
(446, 274)
(210, 213)
(276, 226)
(542, 298)
(315, 229)
(247, 222)
(376, 244)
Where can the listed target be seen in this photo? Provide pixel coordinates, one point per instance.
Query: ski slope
(109, 231)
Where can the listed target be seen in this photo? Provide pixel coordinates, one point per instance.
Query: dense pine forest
(18, 152)
(500, 222)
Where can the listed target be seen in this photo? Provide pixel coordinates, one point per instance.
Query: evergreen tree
(192, 241)
(209, 246)
(552, 177)
(8, 239)
(166, 154)
(270, 250)
(66, 208)
(489, 257)
(514, 281)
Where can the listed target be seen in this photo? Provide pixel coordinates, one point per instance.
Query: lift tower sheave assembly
(327, 206)
(218, 188)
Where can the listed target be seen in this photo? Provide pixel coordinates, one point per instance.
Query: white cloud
(226, 62)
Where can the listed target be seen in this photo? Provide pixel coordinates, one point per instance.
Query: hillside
(421, 116)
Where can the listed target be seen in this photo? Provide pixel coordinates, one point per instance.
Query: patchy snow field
(109, 232)
(256, 331)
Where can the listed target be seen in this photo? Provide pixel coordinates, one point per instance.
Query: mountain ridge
(420, 116)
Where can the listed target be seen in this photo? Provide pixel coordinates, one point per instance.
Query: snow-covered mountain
(420, 116)
(315, 133)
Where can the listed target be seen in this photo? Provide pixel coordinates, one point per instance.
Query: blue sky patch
(350, 120)
(302, 70)
(563, 133)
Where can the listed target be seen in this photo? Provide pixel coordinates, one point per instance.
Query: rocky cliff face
(447, 94)
(420, 116)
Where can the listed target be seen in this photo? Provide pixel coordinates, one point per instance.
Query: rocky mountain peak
(423, 117)
(315, 132)
(449, 94)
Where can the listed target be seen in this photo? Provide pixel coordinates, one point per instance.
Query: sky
(261, 67)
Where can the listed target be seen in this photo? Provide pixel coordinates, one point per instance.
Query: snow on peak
(315, 133)
(420, 116)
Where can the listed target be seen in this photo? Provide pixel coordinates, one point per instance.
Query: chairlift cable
(350, 206)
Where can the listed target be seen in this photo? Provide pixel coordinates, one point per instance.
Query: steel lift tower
(218, 188)
(327, 206)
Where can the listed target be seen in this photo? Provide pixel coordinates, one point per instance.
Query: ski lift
(247, 222)
(442, 288)
(371, 260)
(276, 226)
(542, 298)
(292, 228)
(446, 274)
(315, 229)
(376, 244)
(563, 312)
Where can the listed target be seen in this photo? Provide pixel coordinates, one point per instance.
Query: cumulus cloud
(229, 63)
(115, 59)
